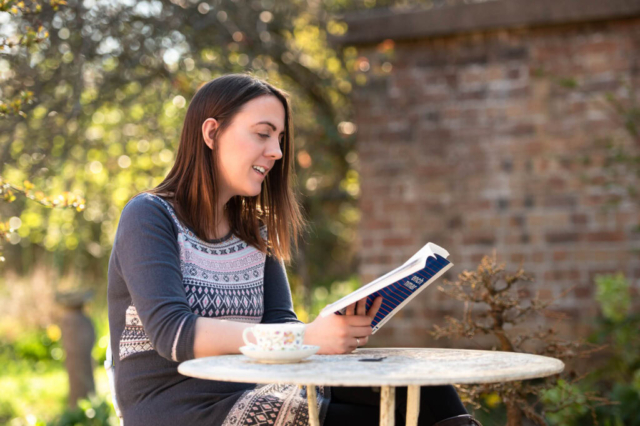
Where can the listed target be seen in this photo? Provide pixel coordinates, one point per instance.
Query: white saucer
(279, 357)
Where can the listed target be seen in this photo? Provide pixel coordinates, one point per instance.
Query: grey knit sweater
(161, 278)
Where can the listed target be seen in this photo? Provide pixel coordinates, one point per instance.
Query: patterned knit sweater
(161, 278)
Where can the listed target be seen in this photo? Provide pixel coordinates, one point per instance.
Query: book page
(428, 252)
(365, 290)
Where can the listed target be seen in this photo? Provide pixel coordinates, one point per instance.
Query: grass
(33, 395)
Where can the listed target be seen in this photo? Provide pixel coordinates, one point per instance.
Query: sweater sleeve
(149, 261)
(278, 305)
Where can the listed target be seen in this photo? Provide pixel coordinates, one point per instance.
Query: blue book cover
(399, 286)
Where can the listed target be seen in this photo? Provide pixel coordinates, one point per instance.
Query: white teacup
(276, 337)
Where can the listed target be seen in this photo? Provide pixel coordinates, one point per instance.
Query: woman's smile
(259, 173)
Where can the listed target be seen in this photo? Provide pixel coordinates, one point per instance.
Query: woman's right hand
(336, 334)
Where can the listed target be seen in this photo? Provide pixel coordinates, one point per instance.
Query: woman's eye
(281, 140)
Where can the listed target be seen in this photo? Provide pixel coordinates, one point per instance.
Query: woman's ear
(208, 128)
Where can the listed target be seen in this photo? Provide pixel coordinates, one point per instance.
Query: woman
(199, 258)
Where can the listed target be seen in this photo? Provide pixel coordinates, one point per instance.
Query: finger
(364, 340)
(363, 331)
(361, 307)
(358, 320)
(348, 344)
(373, 310)
(350, 309)
(358, 331)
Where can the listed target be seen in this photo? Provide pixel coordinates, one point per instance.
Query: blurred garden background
(506, 131)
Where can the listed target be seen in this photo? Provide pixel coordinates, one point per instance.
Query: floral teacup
(276, 337)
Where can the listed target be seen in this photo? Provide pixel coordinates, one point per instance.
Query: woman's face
(253, 139)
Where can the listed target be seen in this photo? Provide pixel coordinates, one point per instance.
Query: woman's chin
(252, 192)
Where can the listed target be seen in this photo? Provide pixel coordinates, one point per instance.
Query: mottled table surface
(399, 367)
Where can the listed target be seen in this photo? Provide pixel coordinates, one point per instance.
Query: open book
(399, 286)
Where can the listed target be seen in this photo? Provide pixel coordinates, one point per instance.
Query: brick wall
(470, 142)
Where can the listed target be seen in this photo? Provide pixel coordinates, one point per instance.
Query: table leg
(314, 418)
(413, 405)
(387, 406)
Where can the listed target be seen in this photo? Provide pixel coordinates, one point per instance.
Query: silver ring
(357, 342)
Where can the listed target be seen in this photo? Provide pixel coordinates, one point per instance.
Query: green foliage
(618, 328)
(42, 345)
(613, 295)
(323, 296)
(31, 391)
(101, 326)
(33, 380)
(565, 391)
(30, 34)
(35, 347)
(618, 377)
(16, 105)
(94, 411)
(35, 392)
(7, 411)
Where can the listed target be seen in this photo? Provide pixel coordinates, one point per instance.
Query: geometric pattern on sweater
(273, 405)
(228, 303)
(133, 338)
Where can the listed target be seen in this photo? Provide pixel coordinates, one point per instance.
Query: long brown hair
(191, 183)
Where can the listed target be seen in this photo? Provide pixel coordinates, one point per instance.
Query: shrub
(94, 411)
(497, 301)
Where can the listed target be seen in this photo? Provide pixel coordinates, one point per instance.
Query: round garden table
(386, 368)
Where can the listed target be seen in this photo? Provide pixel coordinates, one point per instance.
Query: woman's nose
(274, 151)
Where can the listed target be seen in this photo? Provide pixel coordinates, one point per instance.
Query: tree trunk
(78, 337)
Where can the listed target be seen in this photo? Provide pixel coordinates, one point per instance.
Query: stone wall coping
(380, 24)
